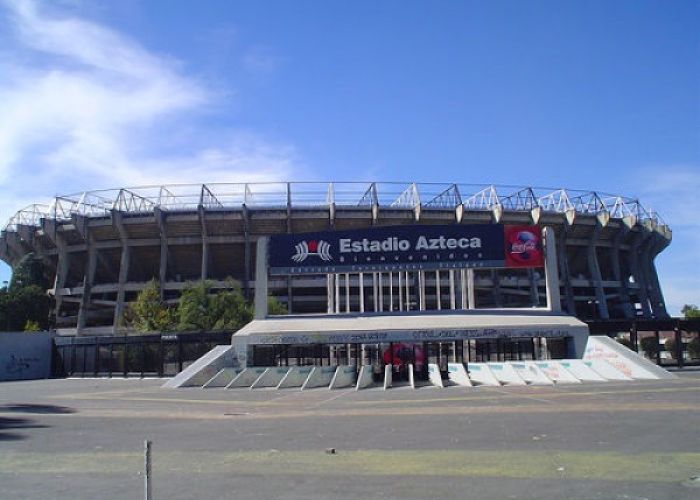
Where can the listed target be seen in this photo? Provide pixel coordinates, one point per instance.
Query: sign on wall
(406, 248)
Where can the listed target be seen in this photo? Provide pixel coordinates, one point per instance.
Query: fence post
(147, 487)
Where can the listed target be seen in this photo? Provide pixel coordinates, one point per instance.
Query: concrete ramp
(481, 374)
(270, 377)
(505, 374)
(295, 377)
(457, 374)
(223, 378)
(320, 376)
(556, 372)
(581, 370)
(364, 379)
(531, 374)
(202, 370)
(606, 370)
(246, 377)
(435, 376)
(344, 377)
(625, 360)
(388, 377)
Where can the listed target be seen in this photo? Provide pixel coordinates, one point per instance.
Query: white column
(400, 292)
(347, 292)
(391, 291)
(374, 292)
(437, 290)
(463, 287)
(451, 274)
(261, 278)
(362, 292)
(329, 293)
(421, 290)
(336, 284)
(551, 271)
(380, 288)
(471, 296)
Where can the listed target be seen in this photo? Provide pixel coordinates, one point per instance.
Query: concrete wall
(25, 355)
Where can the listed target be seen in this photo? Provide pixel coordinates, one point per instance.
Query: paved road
(83, 439)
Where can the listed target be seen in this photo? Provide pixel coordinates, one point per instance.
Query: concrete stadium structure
(102, 247)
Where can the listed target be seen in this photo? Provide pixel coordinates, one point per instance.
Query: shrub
(650, 346)
(626, 342)
(670, 346)
(694, 347)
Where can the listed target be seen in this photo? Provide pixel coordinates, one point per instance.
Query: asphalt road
(83, 439)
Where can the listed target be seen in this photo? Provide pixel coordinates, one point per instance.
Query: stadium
(101, 247)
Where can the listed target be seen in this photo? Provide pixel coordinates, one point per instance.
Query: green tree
(690, 311)
(274, 307)
(31, 326)
(148, 313)
(20, 304)
(194, 309)
(230, 309)
(649, 345)
(28, 271)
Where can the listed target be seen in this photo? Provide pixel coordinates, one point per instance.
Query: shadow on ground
(10, 425)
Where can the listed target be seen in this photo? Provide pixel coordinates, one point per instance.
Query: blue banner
(392, 248)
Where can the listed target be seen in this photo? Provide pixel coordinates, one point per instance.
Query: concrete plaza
(83, 439)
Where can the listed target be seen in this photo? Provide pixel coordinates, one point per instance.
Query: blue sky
(590, 95)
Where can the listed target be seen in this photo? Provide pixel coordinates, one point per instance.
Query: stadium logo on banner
(320, 248)
(523, 247)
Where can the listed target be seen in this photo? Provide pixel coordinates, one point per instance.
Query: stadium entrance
(400, 300)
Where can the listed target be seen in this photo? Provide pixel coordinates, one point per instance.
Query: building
(101, 247)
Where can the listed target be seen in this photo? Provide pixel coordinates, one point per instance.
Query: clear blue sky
(592, 95)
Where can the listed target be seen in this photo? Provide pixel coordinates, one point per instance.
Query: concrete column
(205, 244)
(437, 290)
(362, 292)
(421, 290)
(261, 278)
(659, 306)
(330, 294)
(347, 292)
(636, 247)
(88, 281)
(564, 272)
(123, 270)
(391, 292)
(408, 291)
(336, 285)
(161, 219)
(551, 270)
(453, 298)
(594, 272)
(380, 287)
(247, 252)
(375, 296)
(400, 288)
(534, 290)
(471, 292)
(617, 272)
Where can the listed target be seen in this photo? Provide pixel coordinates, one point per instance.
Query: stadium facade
(102, 247)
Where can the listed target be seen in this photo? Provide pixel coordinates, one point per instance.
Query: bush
(650, 346)
(670, 346)
(694, 347)
(625, 342)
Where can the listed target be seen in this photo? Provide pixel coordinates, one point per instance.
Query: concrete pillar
(471, 292)
(247, 253)
(437, 290)
(88, 282)
(623, 290)
(421, 290)
(261, 278)
(564, 272)
(594, 272)
(123, 270)
(534, 288)
(660, 304)
(400, 288)
(636, 247)
(205, 243)
(453, 298)
(347, 292)
(551, 270)
(330, 294)
(161, 219)
(362, 292)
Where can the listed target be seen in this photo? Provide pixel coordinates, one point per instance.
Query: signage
(406, 248)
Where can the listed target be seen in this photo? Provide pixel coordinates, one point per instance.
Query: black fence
(131, 356)
(671, 342)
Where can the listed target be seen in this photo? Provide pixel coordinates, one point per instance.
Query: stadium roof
(310, 195)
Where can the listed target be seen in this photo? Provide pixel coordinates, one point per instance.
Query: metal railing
(231, 196)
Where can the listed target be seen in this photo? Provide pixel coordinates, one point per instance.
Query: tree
(194, 309)
(148, 313)
(230, 309)
(274, 307)
(690, 311)
(28, 271)
(670, 345)
(20, 304)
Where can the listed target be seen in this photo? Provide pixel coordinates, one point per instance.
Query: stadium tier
(101, 247)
